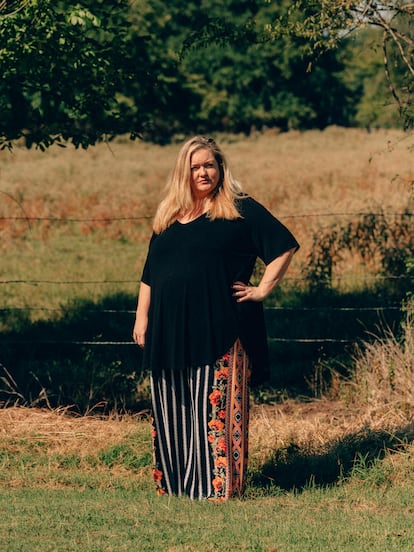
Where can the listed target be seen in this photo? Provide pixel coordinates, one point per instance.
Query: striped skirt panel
(200, 428)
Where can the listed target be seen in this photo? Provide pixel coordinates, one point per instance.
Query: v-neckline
(192, 220)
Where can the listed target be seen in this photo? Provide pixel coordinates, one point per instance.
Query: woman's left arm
(272, 275)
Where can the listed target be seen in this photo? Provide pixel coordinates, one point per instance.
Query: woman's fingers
(139, 339)
(244, 292)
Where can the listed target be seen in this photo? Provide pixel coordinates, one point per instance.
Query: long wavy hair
(178, 198)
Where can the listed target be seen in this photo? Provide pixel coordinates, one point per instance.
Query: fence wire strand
(64, 220)
(150, 216)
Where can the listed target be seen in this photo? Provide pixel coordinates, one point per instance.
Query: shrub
(376, 240)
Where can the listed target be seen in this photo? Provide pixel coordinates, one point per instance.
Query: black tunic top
(194, 318)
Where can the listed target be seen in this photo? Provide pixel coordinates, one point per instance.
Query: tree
(88, 70)
(365, 77)
(242, 78)
(320, 26)
(72, 72)
(326, 24)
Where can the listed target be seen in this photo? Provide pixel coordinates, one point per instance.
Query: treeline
(88, 69)
(235, 82)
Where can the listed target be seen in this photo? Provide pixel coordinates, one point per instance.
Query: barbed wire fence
(379, 309)
(81, 355)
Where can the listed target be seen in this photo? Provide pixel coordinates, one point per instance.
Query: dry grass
(311, 173)
(383, 372)
(53, 449)
(63, 433)
(315, 426)
(309, 427)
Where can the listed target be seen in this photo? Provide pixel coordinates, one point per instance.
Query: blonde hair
(178, 197)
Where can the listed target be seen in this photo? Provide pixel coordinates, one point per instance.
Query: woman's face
(205, 173)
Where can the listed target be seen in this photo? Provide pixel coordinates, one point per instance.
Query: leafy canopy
(72, 71)
(90, 70)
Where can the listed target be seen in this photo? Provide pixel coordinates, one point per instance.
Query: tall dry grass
(313, 173)
(383, 373)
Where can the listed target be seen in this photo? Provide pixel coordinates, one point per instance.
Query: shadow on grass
(84, 359)
(74, 360)
(297, 469)
(321, 328)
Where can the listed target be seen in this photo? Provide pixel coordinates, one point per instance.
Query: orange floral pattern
(217, 428)
(216, 425)
(216, 397)
(227, 428)
(157, 474)
(218, 484)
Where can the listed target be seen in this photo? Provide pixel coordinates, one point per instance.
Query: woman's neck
(199, 207)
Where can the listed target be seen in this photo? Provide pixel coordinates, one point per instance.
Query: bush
(376, 240)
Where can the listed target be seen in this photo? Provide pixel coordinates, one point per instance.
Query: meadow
(329, 482)
(330, 468)
(94, 207)
(75, 226)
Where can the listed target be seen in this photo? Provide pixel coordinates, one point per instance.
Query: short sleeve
(271, 238)
(146, 271)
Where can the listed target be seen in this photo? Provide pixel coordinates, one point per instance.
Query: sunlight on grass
(332, 474)
(84, 484)
(92, 262)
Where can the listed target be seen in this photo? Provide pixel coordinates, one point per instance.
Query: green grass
(68, 267)
(352, 517)
(59, 499)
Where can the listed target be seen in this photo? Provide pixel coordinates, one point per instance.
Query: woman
(201, 323)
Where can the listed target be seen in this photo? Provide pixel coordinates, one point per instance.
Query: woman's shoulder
(248, 206)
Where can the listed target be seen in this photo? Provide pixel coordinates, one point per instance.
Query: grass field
(84, 484)
(74, 226)
(328, 474)
(309, 180)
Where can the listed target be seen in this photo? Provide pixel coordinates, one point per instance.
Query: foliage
(325, 24)
(322, 26)
(89, 70)
(74, 71)
(252, 82)
(376, 240)
(365, 78)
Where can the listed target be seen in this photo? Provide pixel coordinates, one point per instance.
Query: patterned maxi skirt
(200, 428)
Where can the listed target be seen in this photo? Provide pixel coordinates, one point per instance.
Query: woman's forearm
(141, 316)
(272, 275)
